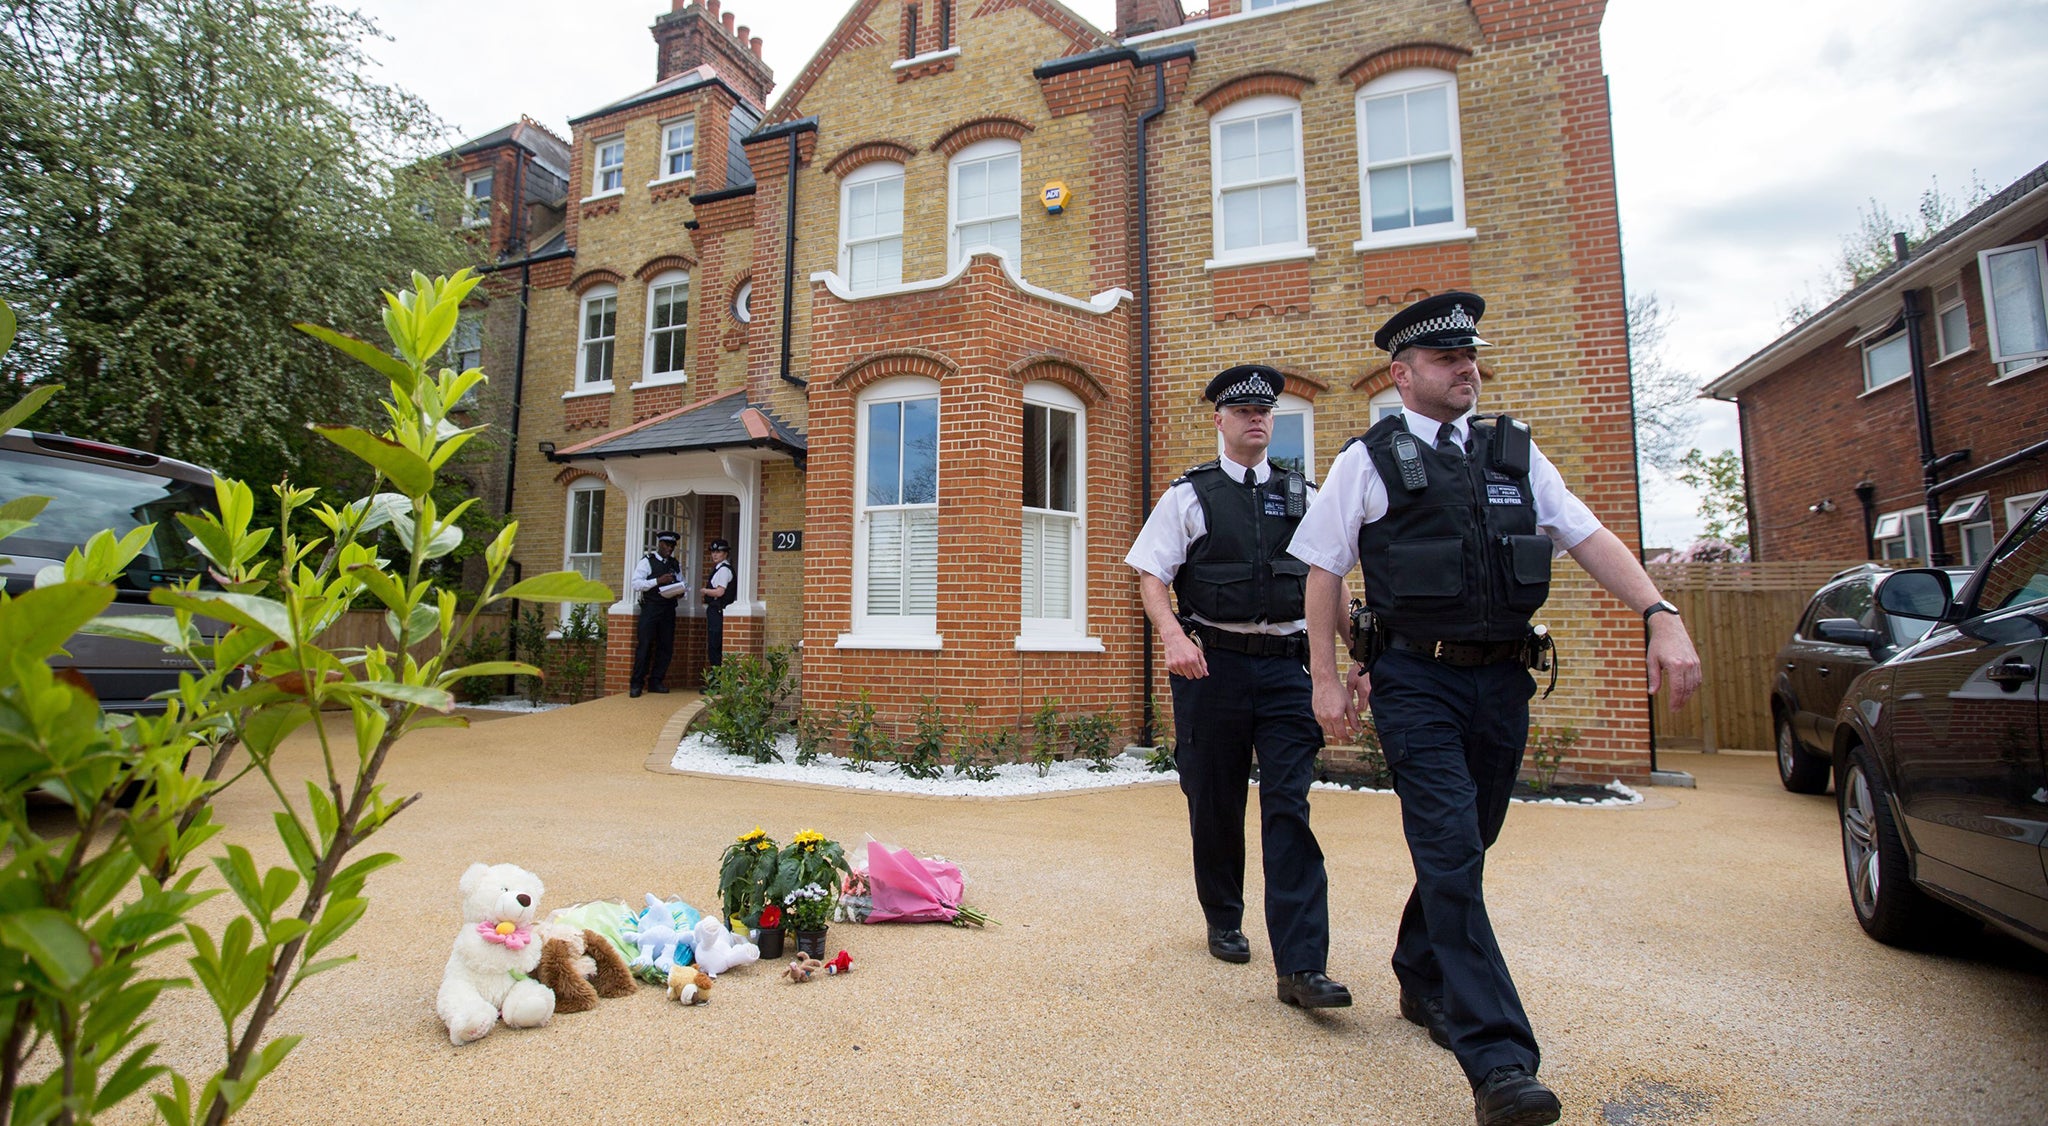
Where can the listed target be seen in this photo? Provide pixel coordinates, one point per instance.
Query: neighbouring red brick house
(895, 336)
(1840, 460)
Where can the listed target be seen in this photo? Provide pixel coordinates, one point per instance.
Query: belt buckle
(1436, 651)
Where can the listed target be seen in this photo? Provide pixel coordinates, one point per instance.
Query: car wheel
(1800, 771)
(1889, 906)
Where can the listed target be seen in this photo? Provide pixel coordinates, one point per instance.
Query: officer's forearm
(1326, 598)
(1615, 568)
(1159, 607)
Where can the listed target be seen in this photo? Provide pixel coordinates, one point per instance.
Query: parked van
(97, 487)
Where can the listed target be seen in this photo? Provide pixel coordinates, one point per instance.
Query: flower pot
(812, 943)
(771, 942)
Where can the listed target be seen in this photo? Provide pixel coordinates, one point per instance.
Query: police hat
(1255, 384)
(1448, 320)
(666, 537)
(719, 545)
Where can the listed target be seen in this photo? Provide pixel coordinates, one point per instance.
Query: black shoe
(1510, 1096)
(1313, 989)
(1429, 1013)
(661, 688)
(1229, 945)
(633, 693)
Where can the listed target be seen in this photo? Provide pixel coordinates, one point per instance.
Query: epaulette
(1212, 463)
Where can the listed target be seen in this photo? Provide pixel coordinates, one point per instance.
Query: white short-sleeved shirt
(1176, 523)
(643, 574)
(1353, 496)
(721, 576)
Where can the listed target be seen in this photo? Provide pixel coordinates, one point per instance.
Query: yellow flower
(753, 834)
(809, 837)
(762, 846)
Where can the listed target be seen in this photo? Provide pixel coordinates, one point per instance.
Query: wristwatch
(1660, 606)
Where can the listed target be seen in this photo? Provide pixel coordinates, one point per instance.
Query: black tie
(1447, 442)
(1251, 479)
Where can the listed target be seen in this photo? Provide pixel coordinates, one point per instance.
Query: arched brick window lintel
(867, 370)
(1406, 56)
(662, 265)
(981, 129)
(1223, 95)
(571, 474)
(582, 282)
(1064, 372)
(868, 152)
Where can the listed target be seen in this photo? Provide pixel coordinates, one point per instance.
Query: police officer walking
(657, 579)
(1454, 519)
(1235, 654)
(718, 594)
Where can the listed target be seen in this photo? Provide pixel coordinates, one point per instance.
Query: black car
(1941, 774)
(1842, 633)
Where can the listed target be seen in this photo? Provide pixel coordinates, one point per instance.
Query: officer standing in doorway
(719, 594)
(658, 580)
(1235, 654)
(1454, 519)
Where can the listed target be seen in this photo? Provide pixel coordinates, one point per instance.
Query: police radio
(1297, 496)
(1408, 459)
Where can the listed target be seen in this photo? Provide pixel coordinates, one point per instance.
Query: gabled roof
(1874, 304)
(723, 423)
(528, 134)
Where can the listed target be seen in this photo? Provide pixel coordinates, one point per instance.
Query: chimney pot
(755, 43)
(742, 33)
(726, 19)
(711, 7)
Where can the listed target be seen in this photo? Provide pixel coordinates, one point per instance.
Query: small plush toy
(690, 985)
(803, 969)
(841, 964)
(489, 974)
(580, 967)
(718, 949)
(655, 933)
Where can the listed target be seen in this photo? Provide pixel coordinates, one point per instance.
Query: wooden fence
(1739, 615)
(358, 629)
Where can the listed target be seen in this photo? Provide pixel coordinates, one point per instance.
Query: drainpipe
(1866, 495)
(1937, 549)
(789, 129)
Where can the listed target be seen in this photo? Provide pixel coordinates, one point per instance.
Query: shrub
(1549, 746)
(1095, 739)
(928, 749)
(865, 742)
(813, 732)
(977, 755)
(743, 704)
(1045, 735)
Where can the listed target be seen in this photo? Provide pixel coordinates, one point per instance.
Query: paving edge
(663, 752)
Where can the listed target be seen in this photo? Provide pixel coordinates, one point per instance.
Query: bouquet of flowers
(855, 900)
(746, 876)
(809, 858)
(810, 907)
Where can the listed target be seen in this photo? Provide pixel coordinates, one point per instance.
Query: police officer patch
(1276, 505)
(1503, 494)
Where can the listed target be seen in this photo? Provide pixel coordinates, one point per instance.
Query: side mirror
(1847, 631)
(1922, 592)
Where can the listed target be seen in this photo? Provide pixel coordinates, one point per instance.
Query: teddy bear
(657, 937)
(690, 985)
(489, 974)
(803, 969)
(718, 949)
(580, 966)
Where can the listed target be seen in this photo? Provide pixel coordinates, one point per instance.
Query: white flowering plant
(809, 908)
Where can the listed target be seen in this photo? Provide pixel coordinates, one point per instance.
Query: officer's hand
(1672, 661)
(1184, 657)
(1336, 709)
(1361, 687)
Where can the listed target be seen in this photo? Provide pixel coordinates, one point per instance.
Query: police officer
(718, 594)
(1235, 653)
(1454, 520)
(656, 642)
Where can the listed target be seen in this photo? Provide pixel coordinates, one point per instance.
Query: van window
(86, 498)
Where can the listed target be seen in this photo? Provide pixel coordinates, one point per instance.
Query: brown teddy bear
(690, 985)
(803, 969)
(580, 967)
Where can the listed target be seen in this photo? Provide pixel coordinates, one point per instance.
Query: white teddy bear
(718, 949)
(489, 970)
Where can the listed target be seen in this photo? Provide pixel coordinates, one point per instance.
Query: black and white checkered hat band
(1455, 320)
(1250, 387)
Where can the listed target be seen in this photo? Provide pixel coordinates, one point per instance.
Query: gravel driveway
(1689, 960)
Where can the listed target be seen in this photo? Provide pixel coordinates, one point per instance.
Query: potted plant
(808, 863)
(768, 931)
(810, 913)
(746, 876)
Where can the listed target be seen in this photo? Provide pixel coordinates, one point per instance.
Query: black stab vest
(665, 572)
(1239, 571)
(1460, 559)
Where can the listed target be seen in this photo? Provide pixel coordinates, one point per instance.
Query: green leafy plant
(813, 733)
(1095, 739)
(1045, 735)
(926, 757)
(808, 907)
(809, 859)
(865, 741)
(486, 645)
(743, 704)
(94, 909)
(977, 755)
(745, 873)
(1549, 747)
(566, 650)
(1160, 760)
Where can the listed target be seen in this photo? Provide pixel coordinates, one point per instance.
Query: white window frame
(2011, 363)
(607, 177)
(873, 173)
(588, 563)
(1903, 530)
(1251, 109)
(1966, 515)
(665, 280)
(1405, 82)
(1071, 631)
(890, 631)
(1905, 346)
(1291, 405)
(1383, 404)
(472, 214)
(743, 302)
(467, 341)
(1949, 299)
(2016, 508)
(596, 295)
(1262, 5)
(982, 152)
(670, 151)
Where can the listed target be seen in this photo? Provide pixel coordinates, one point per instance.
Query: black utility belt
(1463, 654)
(1293, 645)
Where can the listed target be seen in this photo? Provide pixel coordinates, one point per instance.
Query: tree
(1724, 507)
(1868, 250)
(1664, 395)
(180, 180)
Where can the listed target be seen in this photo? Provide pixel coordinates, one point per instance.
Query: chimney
(696, 33)
(1136, 17)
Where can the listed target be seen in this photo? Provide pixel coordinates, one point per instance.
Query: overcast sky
(1747, 133)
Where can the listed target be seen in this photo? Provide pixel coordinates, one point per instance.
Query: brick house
(1846, 458)
(891, 335)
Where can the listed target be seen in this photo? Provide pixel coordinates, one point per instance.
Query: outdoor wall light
(1825, 506)
(547, 449)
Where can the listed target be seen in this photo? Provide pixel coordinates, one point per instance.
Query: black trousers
(1454, 739)
(1248, 705)
(714, 635)
(654, 646)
